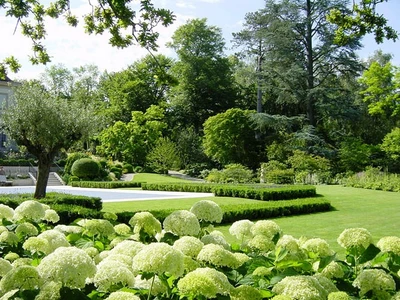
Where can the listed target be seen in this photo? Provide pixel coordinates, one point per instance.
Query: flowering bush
(100, 259)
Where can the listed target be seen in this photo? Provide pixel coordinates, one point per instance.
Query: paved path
(107, 195)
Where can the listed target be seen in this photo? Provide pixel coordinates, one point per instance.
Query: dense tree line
(290, 87)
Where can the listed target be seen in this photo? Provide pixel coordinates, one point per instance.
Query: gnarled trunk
(44, 164)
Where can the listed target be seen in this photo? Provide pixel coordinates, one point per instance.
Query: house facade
(5, 98)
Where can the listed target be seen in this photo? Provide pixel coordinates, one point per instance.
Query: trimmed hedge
(260, 210)
(106, 184)
(256, 191)
(69, 207)
(17, 162)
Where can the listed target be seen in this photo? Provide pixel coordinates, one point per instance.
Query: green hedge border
(257, 191)
(260, 210)
(106, 184)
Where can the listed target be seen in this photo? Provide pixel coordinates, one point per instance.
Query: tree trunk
(44, 164)
(310, 67)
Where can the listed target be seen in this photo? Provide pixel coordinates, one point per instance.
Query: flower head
(266, 228)
(215, 237)
(29, 210)
(122, 229)
(189, 245)
(181, 223)
(111, 273)
(355, 237)
(145, 221)
(69, 265)
(374, 280)
(22, 278)
(98, 227)
(389, 244)
(6, 212)
(128, 247)
(5, 267)
(9, 237)
(317, 246)
(55, 238)
(50, 215)
(67, 229)
(37, 245)
(26, 229)
(49, 291)
(207, 211)
(338, 296)
(241, 229)
(289, 243)
(122, 296)
(218, 256)
(157, 287)
(159, 258)
(245, 292)
(205, 282)
(261, 243)
(301, 287)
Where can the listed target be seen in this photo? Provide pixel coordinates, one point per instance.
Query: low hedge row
(106, 184)
(257, 192)
(256, 211)
(17, 162)
(69, 207)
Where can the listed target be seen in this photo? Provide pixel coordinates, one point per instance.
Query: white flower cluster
(145, 221)
(355, 237)
(181, 223)
(207, 211)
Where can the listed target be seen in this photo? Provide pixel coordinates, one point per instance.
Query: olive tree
(44, 125)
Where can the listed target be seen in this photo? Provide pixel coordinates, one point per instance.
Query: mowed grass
(156, 178)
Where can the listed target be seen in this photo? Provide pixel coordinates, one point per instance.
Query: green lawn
(377, 211)
(156, 178)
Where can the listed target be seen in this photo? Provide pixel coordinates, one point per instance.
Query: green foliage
(276, 172)
(354, 154)
(232, 173)
(85, 168)
(258, 192)
(17, 162)
(72, 157)
(362, 20)
(305, 165)
(131, 142)
(374, 178)
(164, 156)
(229, 137)
(127, 168)
(125, 25)
(391, 143)
(106, 184)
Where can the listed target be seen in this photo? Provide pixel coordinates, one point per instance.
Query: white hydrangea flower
(245, 292)
(5, 267)
(98, 227)
(338, 296)
(122, 296)
(49, 291)
(110, 273)
(145, 221)
(333, 270)
(37, 245)
(50, 215)
(204, 282)
(6, 212)
(26, 229)
(261, 243)
(122, 229)
(9, 237)
(181, 223)
(301, 288)
(389, 244)
(355, 237)
(67, 229)
(241, 230)
(11, 256)
(241, 258)
(55, 238)
(69, 265)
(159, 258)
(190, 264)
(374, 280)
(207, 211)
(266, 228)
(289, 243)
(128, 247)
(326, 283)
(22, 261)
(318, 246)
(22, 278)
(92, 251)
(215, 237)
(144, 284)
(29, 210)
(189, 245)
(3, 228)
(121, 258)
(218, 256)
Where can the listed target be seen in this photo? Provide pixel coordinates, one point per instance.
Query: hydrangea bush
(144, 259)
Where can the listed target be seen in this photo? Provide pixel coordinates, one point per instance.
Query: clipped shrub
(232, 173)
(138, 169)
(127, 168)
(71, 159)
(85, 168)
(73, 178)
(117, 172)
(106, 184)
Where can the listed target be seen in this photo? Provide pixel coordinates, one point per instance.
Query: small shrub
(233, 173)
(85, 168)
(138, 169)
(71, 159)
(127, 168)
